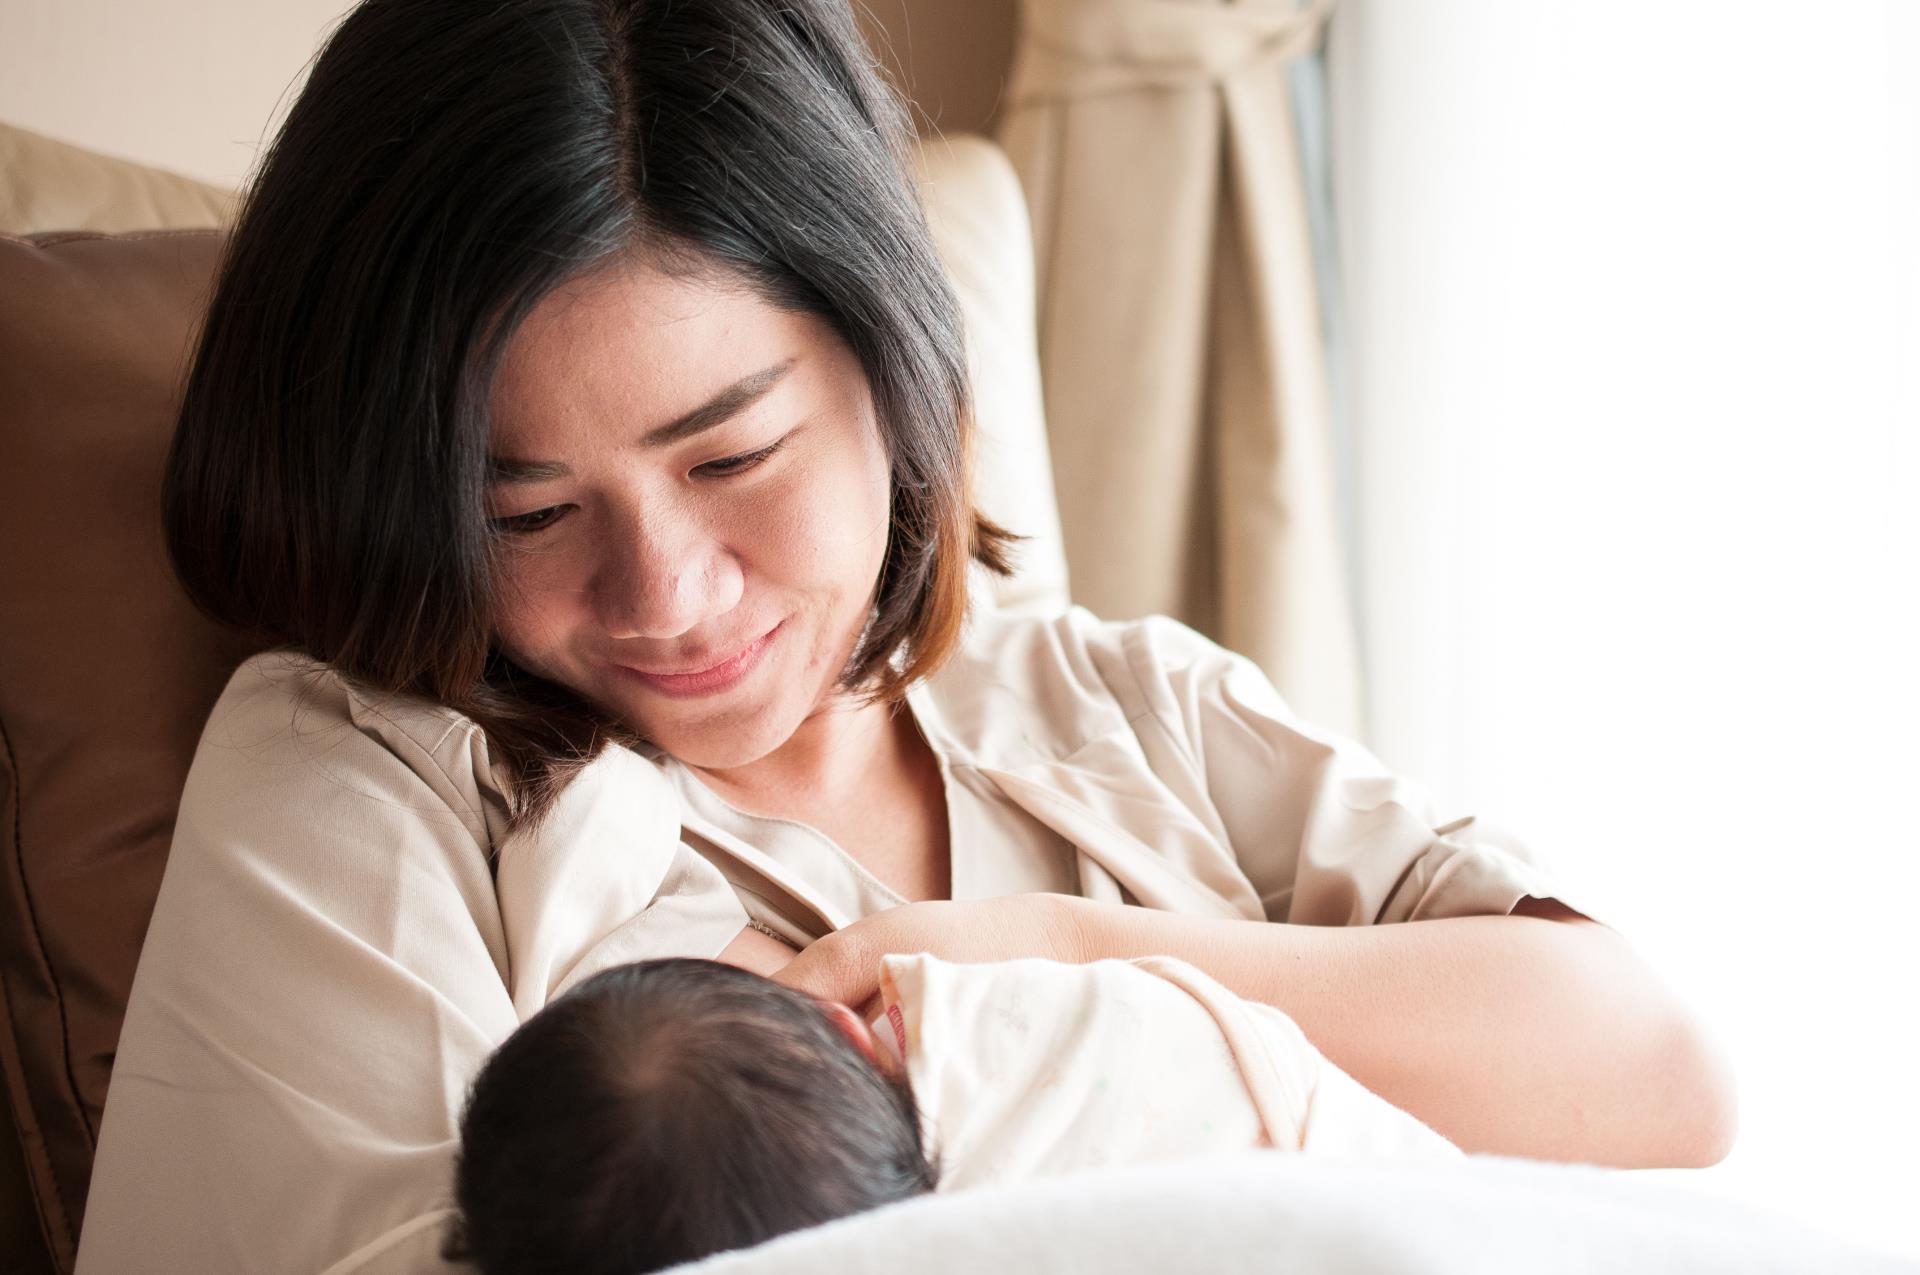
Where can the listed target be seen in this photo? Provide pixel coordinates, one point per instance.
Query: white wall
(190, 85)
(1637, 391)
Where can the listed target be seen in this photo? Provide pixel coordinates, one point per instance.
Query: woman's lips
(709, 680)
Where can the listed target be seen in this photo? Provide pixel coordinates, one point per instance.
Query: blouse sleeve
(1326, 833)
(328, 964)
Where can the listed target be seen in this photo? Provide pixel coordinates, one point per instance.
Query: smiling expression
(692, 495)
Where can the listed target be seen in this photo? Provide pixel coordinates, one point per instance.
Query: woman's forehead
(647, 347)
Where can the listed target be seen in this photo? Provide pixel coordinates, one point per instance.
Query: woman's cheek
(775, 530)
(835, 518)
(533, 594)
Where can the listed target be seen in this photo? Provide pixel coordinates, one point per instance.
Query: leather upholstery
(107, 673)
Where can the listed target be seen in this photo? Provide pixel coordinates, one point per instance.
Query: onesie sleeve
(328, 964)
(1326, 833)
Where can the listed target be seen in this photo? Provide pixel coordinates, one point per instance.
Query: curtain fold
(1181, 347)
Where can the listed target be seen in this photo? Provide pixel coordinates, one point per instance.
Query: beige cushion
(979, 219)
(106, 673)
(51, 186)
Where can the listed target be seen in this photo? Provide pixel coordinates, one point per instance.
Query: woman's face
(685, 477)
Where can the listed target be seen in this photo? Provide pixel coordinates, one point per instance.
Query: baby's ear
(852, 1027)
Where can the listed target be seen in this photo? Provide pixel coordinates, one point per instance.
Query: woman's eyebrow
(719, 409)
(725, 405)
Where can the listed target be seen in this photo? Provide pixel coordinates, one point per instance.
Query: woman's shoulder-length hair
(446, 166)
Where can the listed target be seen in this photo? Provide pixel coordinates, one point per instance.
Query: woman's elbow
(1703, 1098)
(1682, 1104)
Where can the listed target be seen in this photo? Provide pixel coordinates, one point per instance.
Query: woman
(582, 414)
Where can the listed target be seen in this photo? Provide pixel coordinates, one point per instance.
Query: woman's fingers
(845, 965)
(837, 967)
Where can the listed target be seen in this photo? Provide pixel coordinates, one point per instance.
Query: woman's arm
(1533, 1035)
(336, 948)
(1539, 1034)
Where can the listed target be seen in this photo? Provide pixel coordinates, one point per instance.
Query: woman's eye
(732, 465)
(536, 520)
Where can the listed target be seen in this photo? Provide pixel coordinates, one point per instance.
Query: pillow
(106, 671)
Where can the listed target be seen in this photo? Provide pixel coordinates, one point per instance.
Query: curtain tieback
(1087, 48)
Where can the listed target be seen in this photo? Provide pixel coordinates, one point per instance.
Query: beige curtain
(1180, 341)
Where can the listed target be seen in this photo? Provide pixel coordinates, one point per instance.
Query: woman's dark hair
(449, 164)
(663, 1111)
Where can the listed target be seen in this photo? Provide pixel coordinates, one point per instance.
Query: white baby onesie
(1031, 1068)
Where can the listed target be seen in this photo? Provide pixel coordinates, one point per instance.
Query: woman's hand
(845, 966)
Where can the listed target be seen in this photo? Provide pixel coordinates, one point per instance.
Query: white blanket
(1268, 1211)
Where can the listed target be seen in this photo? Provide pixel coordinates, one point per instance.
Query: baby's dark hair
(670, 1109)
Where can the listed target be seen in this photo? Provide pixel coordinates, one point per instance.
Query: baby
(663, 1111)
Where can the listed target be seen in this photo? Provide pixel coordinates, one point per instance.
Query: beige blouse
(344, 931)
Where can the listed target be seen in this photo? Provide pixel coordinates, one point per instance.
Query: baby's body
(705, 1107)
(1025, 1069)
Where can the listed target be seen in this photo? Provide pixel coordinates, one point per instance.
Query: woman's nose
(663, 577)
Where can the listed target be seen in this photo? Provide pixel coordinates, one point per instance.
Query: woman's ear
(853, 1028)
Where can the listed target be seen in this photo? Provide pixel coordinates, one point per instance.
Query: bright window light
(1636, 390)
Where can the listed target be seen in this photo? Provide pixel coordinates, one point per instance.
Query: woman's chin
(718, 751)
(719, 737)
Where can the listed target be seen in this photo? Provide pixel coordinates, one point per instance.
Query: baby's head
(663, 1111)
